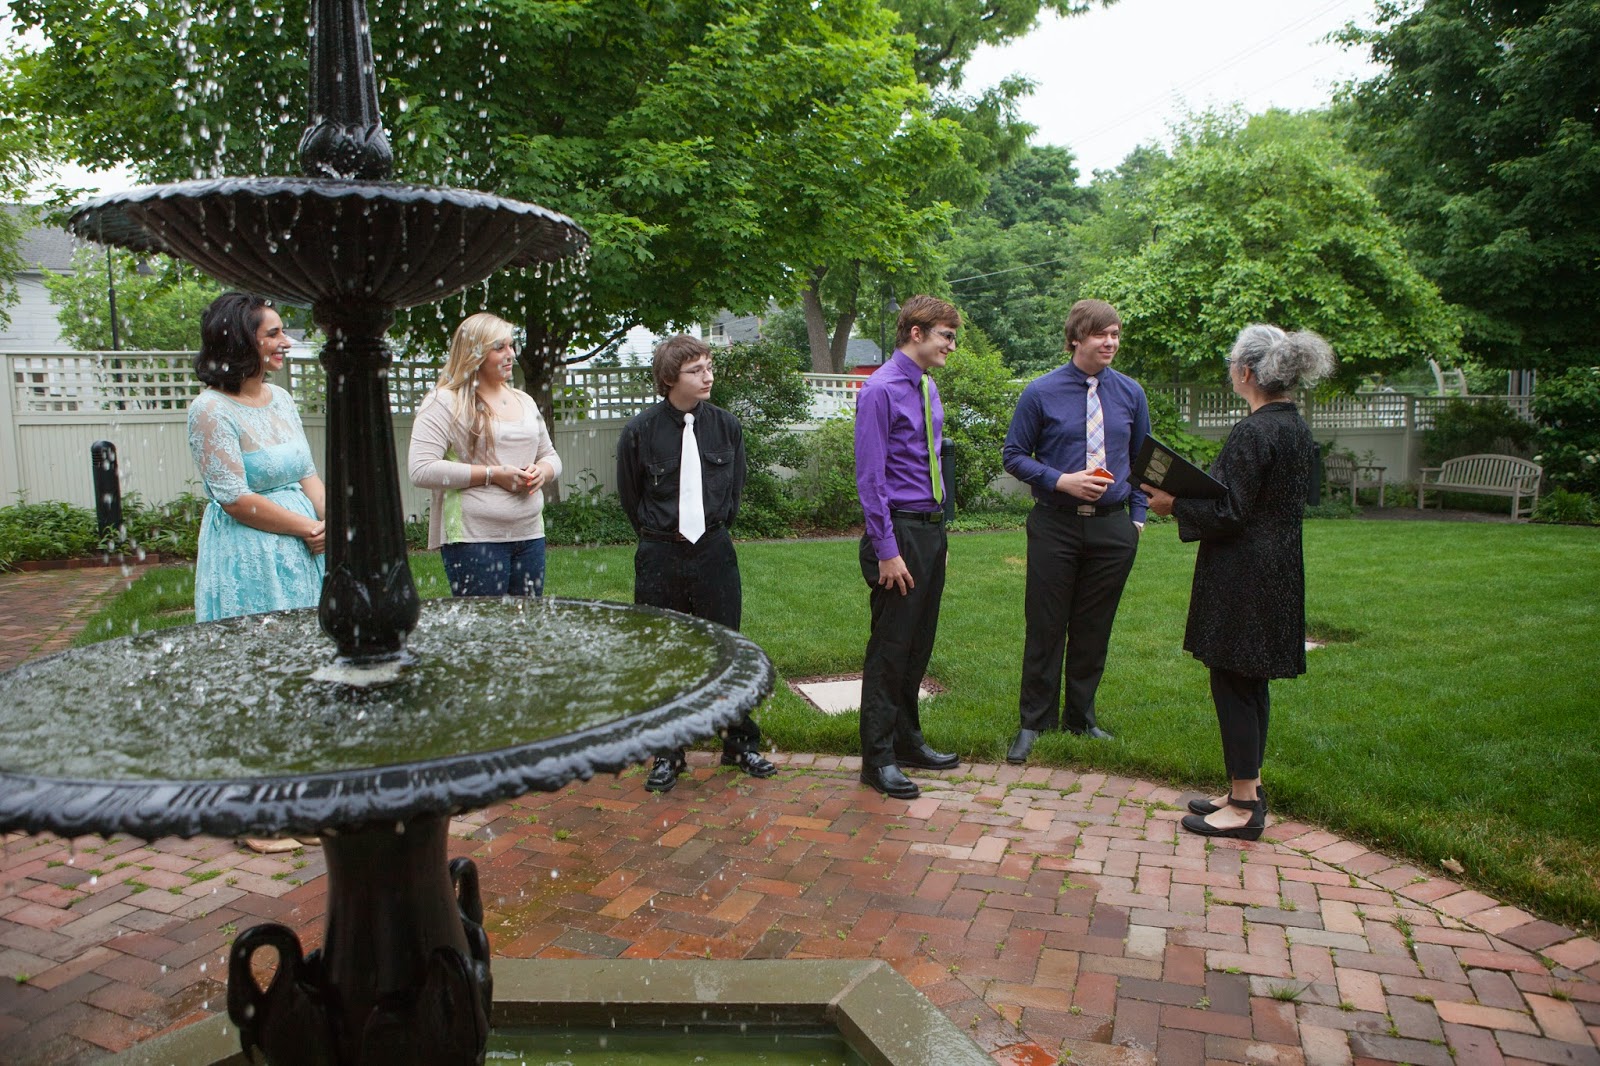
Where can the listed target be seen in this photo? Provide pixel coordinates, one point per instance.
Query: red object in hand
(1101, 471)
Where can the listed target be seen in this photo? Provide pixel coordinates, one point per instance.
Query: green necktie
(933, 453)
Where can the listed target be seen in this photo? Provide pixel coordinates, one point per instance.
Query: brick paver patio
(1055, 915)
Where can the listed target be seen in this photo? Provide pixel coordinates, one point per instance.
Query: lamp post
(111, 298)
(890, 307)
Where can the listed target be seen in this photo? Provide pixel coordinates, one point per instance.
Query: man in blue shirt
(899, 431)
(1073, 439)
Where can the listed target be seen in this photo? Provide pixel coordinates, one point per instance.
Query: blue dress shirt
(1047, 435)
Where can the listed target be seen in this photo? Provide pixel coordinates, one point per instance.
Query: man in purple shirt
(899, 434)
(1073, 439)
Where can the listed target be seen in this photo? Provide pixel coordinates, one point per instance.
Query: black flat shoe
(1251, 830)
(1204, 807)
(890, 781)
(927, 759)
(664, 772)
(1022, 746)
(1094, 732)
(750, 762)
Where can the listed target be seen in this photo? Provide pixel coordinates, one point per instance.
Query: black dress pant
(701, 579)
(903, 629)
(1077, 567)
(1243, 708)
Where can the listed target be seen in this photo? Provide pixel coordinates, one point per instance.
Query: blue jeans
(498, 568)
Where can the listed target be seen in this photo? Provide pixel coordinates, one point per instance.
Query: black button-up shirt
(650, 451)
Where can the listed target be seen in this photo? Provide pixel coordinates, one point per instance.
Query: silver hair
(1282, 362)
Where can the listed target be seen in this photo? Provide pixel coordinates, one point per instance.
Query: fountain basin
(222, 728)
(314, 240)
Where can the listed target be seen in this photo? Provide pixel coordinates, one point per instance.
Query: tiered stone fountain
(245, 726)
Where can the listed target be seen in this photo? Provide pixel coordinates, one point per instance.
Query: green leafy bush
(979, 398)
(1567, 407)
(59, 530)
(587, 516)
(761, 384)
(1168, 426)
(1330, 508)
(53, 530)
(826, 485)
(1464, 427)
(1561, 507)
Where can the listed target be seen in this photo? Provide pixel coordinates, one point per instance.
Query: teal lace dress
(240, 449)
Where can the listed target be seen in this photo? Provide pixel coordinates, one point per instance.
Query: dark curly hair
(228, 352)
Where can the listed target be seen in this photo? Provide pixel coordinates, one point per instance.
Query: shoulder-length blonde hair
(468, 348)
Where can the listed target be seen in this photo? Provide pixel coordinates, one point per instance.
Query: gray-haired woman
(1247, 610)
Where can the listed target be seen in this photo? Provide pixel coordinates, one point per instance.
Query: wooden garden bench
(1343, 470)
(1484, 475)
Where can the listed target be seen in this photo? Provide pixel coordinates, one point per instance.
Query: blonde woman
(483, 448)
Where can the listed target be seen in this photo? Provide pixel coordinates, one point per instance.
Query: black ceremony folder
(1168, 471)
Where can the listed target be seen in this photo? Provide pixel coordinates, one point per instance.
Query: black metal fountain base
(404, 975)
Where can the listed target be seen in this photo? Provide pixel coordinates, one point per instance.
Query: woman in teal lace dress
(262, 537)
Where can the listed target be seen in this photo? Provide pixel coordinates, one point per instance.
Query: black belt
(674, 537)
(934, 517)
(1087, 510)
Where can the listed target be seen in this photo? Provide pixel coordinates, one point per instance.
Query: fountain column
(369, 601)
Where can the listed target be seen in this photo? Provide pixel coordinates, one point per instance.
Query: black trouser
(701, 579)
(1243, 707)
(903, 628)
(1077, 567)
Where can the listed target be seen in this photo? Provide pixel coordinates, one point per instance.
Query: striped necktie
(933, 453)
(1095, 428)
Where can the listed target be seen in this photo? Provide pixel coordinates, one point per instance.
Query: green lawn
(1453, 715)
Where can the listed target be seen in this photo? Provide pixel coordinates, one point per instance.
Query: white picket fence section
(57, 404)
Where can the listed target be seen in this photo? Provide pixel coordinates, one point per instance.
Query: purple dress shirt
(892, 448)
(1047, 434)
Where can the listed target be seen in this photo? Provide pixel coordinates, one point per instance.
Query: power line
(1232, 61)
(1010, 270)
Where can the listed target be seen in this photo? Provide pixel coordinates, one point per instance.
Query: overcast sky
(1117, 77)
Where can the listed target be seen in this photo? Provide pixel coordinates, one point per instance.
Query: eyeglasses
(947, 334)
(703, 371)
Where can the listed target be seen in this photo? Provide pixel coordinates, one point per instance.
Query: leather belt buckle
(1087, 510)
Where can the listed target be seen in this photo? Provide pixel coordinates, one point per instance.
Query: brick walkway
(1055, 915)
(42, 610)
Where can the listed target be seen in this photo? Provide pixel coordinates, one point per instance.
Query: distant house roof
(44, 247)
(862, 352)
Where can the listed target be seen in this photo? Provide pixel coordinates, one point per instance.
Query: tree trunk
(848, 312)
(841, 340)
(817, 324)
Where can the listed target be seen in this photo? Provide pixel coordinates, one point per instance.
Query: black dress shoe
(664, 773)
(890, 781)
(1094, 732)
(927, 759)
(1204, 807)
(1251, 830)
(1022, 746)
(750, 762)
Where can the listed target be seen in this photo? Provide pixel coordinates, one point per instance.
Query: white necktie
(691, 506)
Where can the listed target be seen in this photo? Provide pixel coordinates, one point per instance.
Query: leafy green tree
(1008, 260)
(1485, 128)
(761, 385)
(159, 302)
(979, 396)
(1247, 227)
(1568, 409)
(716, 152)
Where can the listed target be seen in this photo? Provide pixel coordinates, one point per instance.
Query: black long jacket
(1247, 612)
(648, 456)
